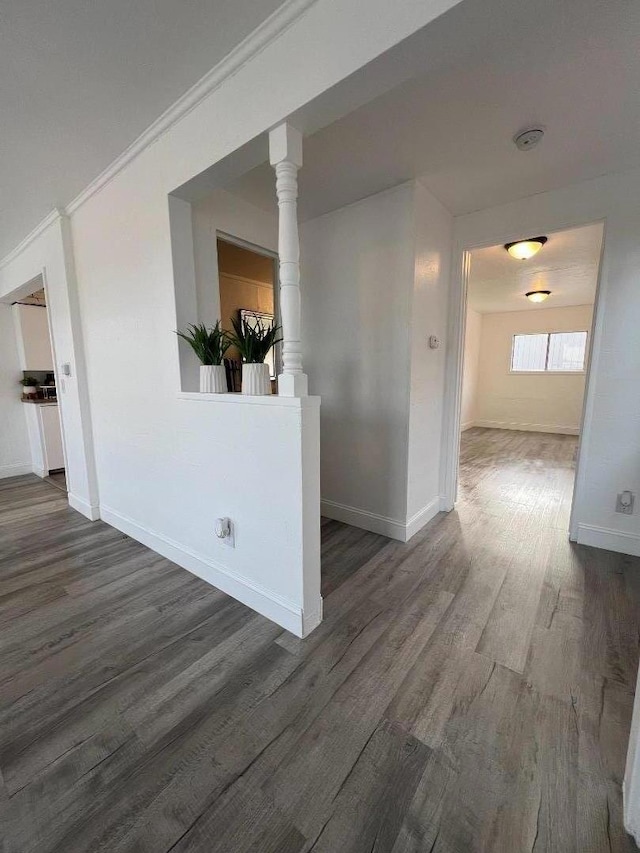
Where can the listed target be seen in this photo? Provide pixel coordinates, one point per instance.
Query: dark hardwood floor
(468, 691)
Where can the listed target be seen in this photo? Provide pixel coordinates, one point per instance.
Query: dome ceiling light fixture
(538, 295)
(522, 250)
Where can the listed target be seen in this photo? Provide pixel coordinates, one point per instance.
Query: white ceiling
(80, 80)
(487, 69)
(567, 265)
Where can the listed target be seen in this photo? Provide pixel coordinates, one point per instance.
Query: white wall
(544, 402)
(15, 457)
(375, 277)
(433, 235)
(34, 325)
(357, 268)
(472, 332)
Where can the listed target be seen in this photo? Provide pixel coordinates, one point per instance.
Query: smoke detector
(528, 139)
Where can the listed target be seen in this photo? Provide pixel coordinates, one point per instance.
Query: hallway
(470, 690)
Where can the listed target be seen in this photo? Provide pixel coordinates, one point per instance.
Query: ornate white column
(285, 154)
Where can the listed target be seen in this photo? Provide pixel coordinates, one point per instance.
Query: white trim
(265, 284)
(254, 43)
(371, 521)
(84, 508)
(467, 425)
(280, 610)
(40, 228)
(311, 621)
(249, 400)
(382, 524)
(526, 427)
(609, 539)
(16, 469)
(422, 517)
(39, 472)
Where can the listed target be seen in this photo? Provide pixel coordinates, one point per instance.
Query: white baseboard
(610, 540)
(526, 427)
(418, 521)
(371, 521)
(18, 469)
(88, 510)
(382, 524)
(39, 472)
(281, 611)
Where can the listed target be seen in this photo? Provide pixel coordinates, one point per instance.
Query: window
(563, 352)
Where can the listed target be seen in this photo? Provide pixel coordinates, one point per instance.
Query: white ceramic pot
(27, 390)
(213, 379)
(256, 379)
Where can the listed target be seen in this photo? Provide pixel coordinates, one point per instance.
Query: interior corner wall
(357, 268)
(609, 459)
(542, 402)
(15, 456)
(472, 333)
(433, 238)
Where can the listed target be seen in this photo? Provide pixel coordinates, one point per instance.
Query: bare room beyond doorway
(529, 315)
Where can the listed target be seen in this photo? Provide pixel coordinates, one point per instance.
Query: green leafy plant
(29, 381)
(209, 345)
(254, 340)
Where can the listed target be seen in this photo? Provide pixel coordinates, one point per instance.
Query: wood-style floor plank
(470, 690)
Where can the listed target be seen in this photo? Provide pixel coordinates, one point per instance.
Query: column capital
(285, 144)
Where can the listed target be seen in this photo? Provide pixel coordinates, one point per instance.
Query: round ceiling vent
(528, 138)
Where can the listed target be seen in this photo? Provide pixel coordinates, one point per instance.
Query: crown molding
(280, 20)
(283, 17)
(40, 228)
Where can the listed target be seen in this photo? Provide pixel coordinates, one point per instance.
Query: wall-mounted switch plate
(624, 502)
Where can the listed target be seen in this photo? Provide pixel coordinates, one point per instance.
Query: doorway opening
(38, 385)
(247, 277)
(527, 337)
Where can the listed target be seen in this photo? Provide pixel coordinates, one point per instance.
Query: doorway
(529, 309)
(247, 279)
(39, 385)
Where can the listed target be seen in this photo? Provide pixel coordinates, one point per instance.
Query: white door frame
(48, 254)
(455, 362)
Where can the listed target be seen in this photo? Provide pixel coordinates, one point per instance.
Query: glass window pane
(567, 350)
(529, 352)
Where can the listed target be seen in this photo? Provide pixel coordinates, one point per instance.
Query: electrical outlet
(225, 531)
(624, 502)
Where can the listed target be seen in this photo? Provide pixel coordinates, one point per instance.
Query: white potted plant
(254, 340)
(29, 386)
(210, 346)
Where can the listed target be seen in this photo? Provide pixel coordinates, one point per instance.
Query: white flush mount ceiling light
(522, 250)
(538, 295)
